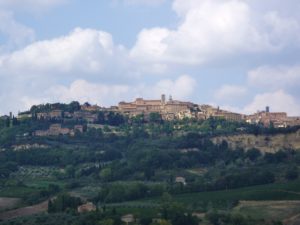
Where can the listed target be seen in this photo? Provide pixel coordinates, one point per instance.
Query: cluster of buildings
(276, 119)
(168, 109)
(57, 129)
(84, 114)
(173, 109)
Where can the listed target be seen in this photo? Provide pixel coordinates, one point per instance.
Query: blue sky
(239, 54)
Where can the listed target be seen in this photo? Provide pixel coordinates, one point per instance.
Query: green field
(16, 192)
(226, 198)
(42, 183)
(29, 186)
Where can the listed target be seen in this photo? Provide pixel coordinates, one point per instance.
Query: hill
(162, 171)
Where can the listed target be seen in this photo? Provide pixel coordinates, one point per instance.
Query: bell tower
(163, 99)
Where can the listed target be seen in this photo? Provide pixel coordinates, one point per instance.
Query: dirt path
(8, 203)
(294, 220)
(26, 211)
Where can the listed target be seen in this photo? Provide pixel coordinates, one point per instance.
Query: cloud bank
(87, 65)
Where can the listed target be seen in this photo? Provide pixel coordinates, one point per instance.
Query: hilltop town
(164, 109)
(87, 160)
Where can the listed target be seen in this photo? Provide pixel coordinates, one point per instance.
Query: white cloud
(84, 91)
(230, 92)
(83, 50)
(283, 31)
(79, 90)
(279, 101)
(39, 73)
(16, 33)
(275, 77)
(207, 30)
(109, 94)
(150, 45)
(181, 88)
(100, 93)
(214, 28)
(276, 83)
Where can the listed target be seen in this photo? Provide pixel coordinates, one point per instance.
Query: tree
(74, 106)
(106, 222)
(214, 218)
(115, 119)
(101, 117)
(162, 222)
(168, 128)
(50, 207)
(70, 170)
(106, 174)
(145, 220)
(63, 203)
(155, 117)
(138, 119)
(253, 154)
(292, 173)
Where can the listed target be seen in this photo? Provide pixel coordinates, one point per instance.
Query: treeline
(6, 168)
(120, 192)
(72, 107)
(130, 155)
(41, 194)
(63, 203)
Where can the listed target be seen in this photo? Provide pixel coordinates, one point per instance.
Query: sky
(241, 55)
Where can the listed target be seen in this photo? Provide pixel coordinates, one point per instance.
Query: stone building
(208, 111)
(90, 108)
(54, 114)
(168, 109)
(86, 116)
(54, 130)
(180, 180)
(78, 128)
(42, 115)
(57, 129)
(88, 207)
(26, 115)
(278, 119)
(128, 219)
(229, 115)
(293, 121)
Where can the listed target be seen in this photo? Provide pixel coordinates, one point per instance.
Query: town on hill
(147, 162)
(164, 109)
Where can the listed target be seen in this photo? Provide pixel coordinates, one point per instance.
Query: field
(8, 203)
(269, 210)
(16, 192)
(227, 199)
(288, 191)
(25, 211)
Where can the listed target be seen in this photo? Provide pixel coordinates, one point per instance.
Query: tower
(267, 109)
(163, 99)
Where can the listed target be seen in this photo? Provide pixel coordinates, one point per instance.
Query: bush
(292, 174)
